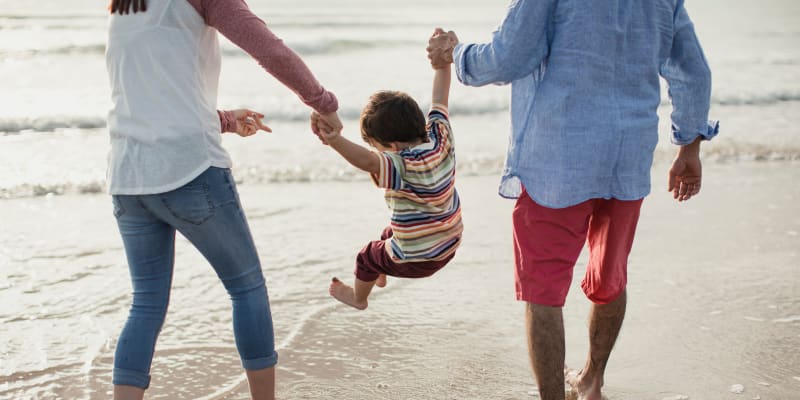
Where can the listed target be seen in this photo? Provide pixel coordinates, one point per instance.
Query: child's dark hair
(124, 6)
(392, 116)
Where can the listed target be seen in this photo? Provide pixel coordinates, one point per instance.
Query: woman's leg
(150, 249)
(208, 213)
(262, 383)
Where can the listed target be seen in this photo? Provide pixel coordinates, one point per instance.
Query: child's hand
(248, 122)
(326, 127)
(440, 48)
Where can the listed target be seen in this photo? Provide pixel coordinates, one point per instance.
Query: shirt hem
(511, 187)
(167, 187)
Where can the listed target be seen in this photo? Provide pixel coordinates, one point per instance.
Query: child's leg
(370, 264)
(355, 296)
(387, 233)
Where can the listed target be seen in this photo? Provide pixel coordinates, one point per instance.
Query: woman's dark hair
(392, 116)
(124, 6)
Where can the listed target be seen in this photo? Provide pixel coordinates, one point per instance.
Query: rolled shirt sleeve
(688, 77)
(517, 47)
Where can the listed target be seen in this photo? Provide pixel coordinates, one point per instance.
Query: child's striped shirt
(421, 192)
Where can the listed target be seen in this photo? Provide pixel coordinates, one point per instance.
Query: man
(585, 90)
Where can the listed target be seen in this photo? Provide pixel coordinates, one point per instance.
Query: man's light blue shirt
(585, 91)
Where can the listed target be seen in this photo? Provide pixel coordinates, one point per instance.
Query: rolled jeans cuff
(129, 377)
(260, 363)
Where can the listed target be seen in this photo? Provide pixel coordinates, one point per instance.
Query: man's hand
(248, 122)
(685, 175)
(440, 48)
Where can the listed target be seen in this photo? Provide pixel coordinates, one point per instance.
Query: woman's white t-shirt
(163, 66)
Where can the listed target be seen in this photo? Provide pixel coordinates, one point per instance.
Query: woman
(168, 171)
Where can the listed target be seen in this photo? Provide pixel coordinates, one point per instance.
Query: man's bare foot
(582, 387)
(345, 294)
(381, 282)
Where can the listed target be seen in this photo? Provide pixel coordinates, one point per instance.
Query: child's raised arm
(441, 42)
(441, 86)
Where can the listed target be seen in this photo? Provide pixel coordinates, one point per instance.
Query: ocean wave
(68, 17)
(323, 47)
(49, 124)
(258, 174)
(96, 49)
(747, 99)
(294, 112)
(750, 99)
(50, 189)
(245, 174)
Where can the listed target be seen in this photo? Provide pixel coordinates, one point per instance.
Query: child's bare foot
(345, 294)
(381, 282)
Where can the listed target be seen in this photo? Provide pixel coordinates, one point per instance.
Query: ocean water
(55, 92)
(63, 283)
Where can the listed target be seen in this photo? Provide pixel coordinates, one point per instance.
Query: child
(415, 163)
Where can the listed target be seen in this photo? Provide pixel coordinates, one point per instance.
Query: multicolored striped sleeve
(439, 125)
(438, 111)
(390, 175)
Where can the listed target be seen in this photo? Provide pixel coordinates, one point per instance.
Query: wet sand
(714, 300)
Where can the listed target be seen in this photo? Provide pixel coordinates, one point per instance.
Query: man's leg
(546, 349)
(547, 242)
(605, 321)
(611, 232)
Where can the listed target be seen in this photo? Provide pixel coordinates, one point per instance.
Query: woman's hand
(249, 122)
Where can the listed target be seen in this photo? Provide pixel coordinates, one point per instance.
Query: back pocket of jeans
(190, 203)
(119, 209)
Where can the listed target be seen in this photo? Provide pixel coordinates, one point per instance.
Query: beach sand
(713, 302)
(714, 299)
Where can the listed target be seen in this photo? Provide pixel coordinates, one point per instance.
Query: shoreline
(713, 299)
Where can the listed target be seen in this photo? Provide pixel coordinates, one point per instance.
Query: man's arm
(518, 46)
(689, 84)
(689, 79)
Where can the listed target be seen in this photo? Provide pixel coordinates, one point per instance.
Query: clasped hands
(440, 53)
(440, 48)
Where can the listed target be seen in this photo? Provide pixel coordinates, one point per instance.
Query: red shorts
(548, 241)
(373, 260)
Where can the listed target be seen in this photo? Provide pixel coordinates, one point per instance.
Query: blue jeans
(208, 213)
